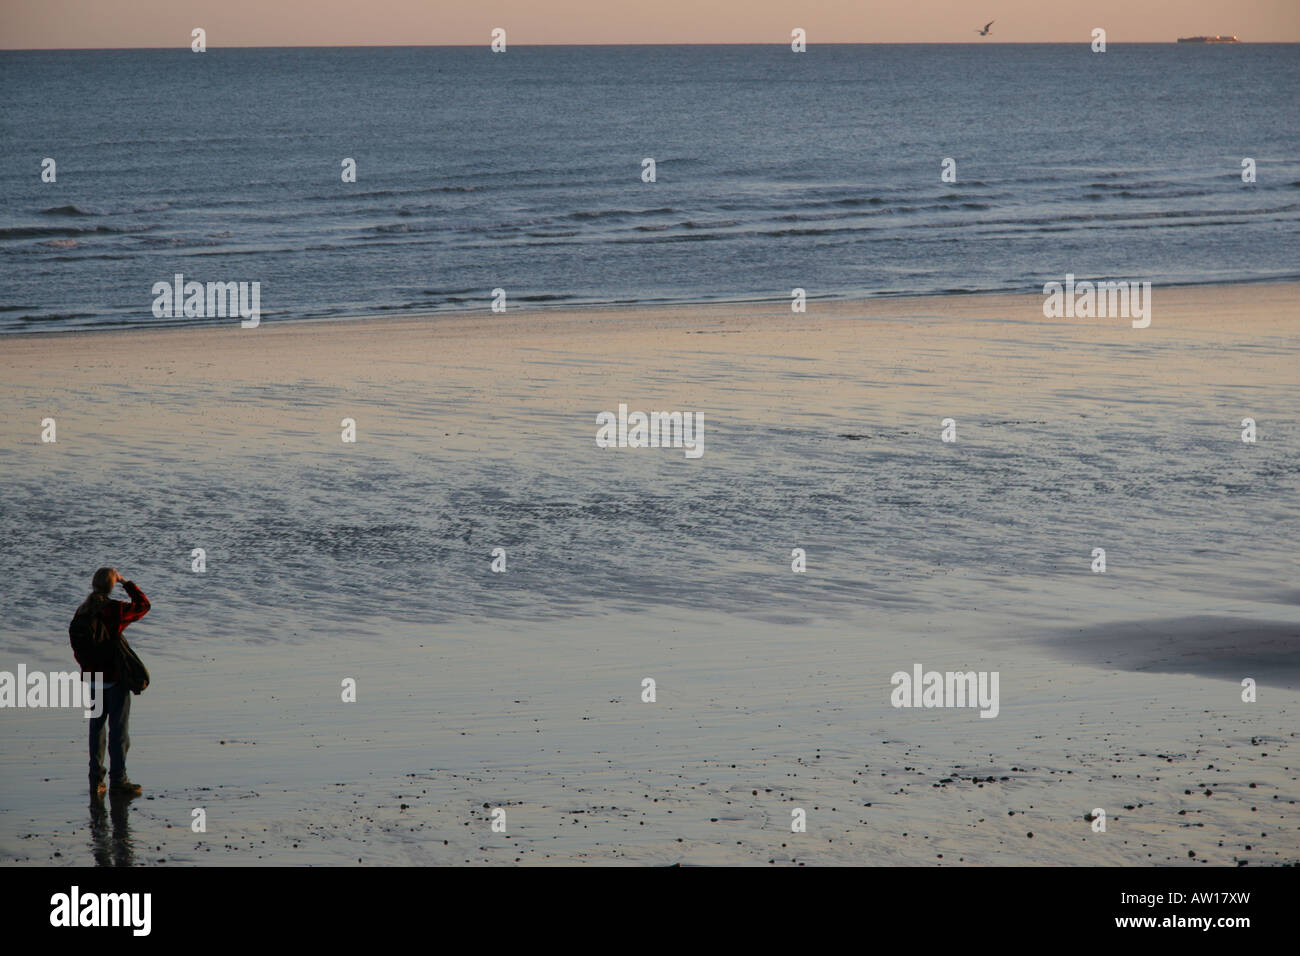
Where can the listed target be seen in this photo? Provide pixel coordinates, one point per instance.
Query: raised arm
(134, 609)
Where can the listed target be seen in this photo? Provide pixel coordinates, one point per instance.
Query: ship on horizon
(1217, 38)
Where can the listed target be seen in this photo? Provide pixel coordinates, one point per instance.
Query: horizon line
(785, 43)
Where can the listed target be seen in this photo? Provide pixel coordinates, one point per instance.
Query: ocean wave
(406, 193)
(76, 209)
(60, 232)
(54, 316)
(447, 292)
(618, 213)
(180, 242)
(399, 227)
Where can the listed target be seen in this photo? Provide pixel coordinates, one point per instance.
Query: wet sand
(523, 691)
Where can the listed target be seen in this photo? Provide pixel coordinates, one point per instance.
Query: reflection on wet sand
(111, 848)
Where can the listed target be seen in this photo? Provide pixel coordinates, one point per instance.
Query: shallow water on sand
(1066, 441)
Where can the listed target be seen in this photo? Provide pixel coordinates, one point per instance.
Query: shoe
(127, 787)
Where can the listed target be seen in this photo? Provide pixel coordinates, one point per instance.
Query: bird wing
(989, 24)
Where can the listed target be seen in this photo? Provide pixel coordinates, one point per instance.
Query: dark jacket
(115, 616)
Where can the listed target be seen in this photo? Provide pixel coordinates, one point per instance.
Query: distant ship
(1214, 39)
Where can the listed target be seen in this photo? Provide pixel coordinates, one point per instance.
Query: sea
(847, 171)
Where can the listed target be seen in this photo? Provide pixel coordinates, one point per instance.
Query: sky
(95, 24)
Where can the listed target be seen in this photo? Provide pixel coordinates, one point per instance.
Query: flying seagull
(985, 31)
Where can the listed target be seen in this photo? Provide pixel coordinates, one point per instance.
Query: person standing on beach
(107, 619)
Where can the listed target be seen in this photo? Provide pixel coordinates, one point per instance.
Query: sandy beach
(522, 690)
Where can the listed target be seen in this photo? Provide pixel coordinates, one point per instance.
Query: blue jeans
(111, 723)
